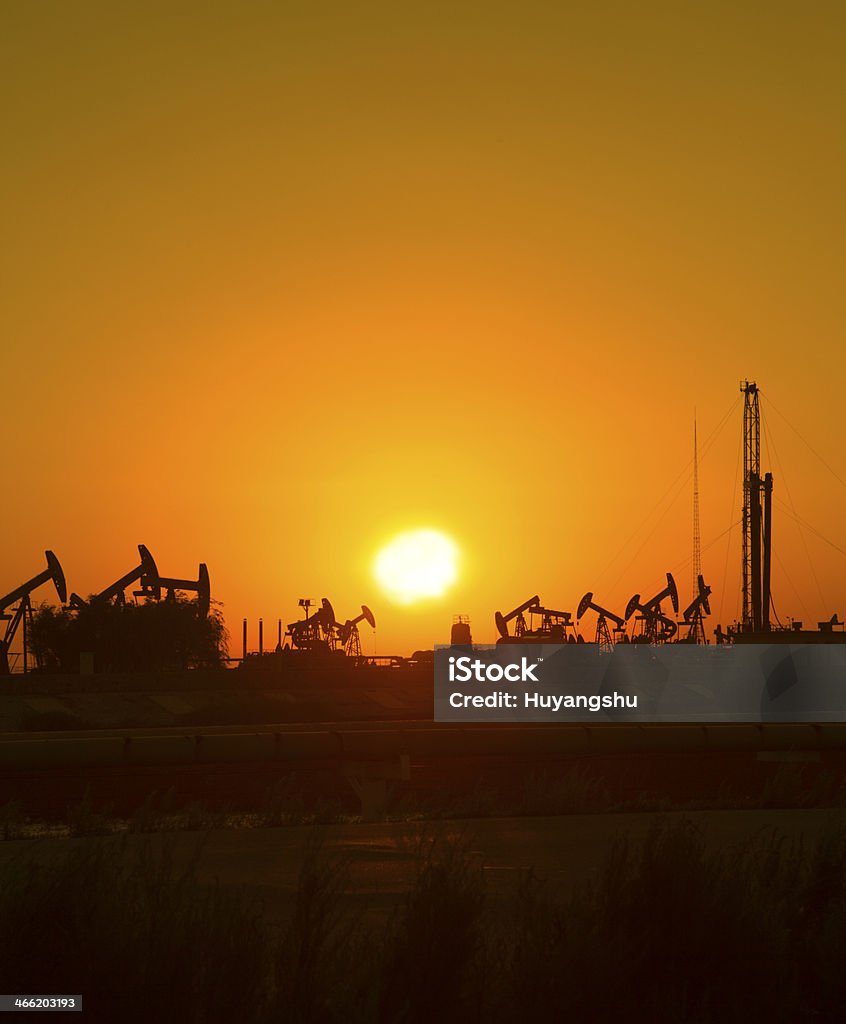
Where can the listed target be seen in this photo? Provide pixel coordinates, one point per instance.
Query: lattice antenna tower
(697, 540)
(698, 633)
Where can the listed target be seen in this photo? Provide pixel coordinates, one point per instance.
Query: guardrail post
(373, 781)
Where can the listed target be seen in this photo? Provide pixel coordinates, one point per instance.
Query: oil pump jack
(347, 632)
(555, 627)
(517, 614)
(22, 613)
(145, 574)
(695, 612)
(314, 632)
(151, 584)
(603, 639)
(200, 586)
(655, 626)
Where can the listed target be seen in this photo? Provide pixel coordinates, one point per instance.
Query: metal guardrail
(360, 744)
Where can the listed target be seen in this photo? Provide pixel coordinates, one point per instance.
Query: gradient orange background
(280, 280)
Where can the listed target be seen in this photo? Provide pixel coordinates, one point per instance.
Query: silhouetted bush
(128, 638)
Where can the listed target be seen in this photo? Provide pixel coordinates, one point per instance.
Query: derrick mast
(757, 519)
(751, 491)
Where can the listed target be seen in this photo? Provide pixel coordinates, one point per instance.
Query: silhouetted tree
(128, 638)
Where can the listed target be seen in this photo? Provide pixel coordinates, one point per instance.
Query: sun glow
(417, 565)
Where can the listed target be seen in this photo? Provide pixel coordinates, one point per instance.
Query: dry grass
(668, 930)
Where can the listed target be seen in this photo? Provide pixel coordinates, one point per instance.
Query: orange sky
(280, 280)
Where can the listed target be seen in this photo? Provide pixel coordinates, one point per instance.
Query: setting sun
(416, 565)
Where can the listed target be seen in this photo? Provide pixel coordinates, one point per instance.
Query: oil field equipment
(200, 586)
(145, 573)
(14, 617)
(695, 612)
(347, 632)
(756, 519)
(460, 635)
(755, 626)
(555, 627)
(517, 614)
(655, 626)
(314, 631)
(151, 585)
(603, 635)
